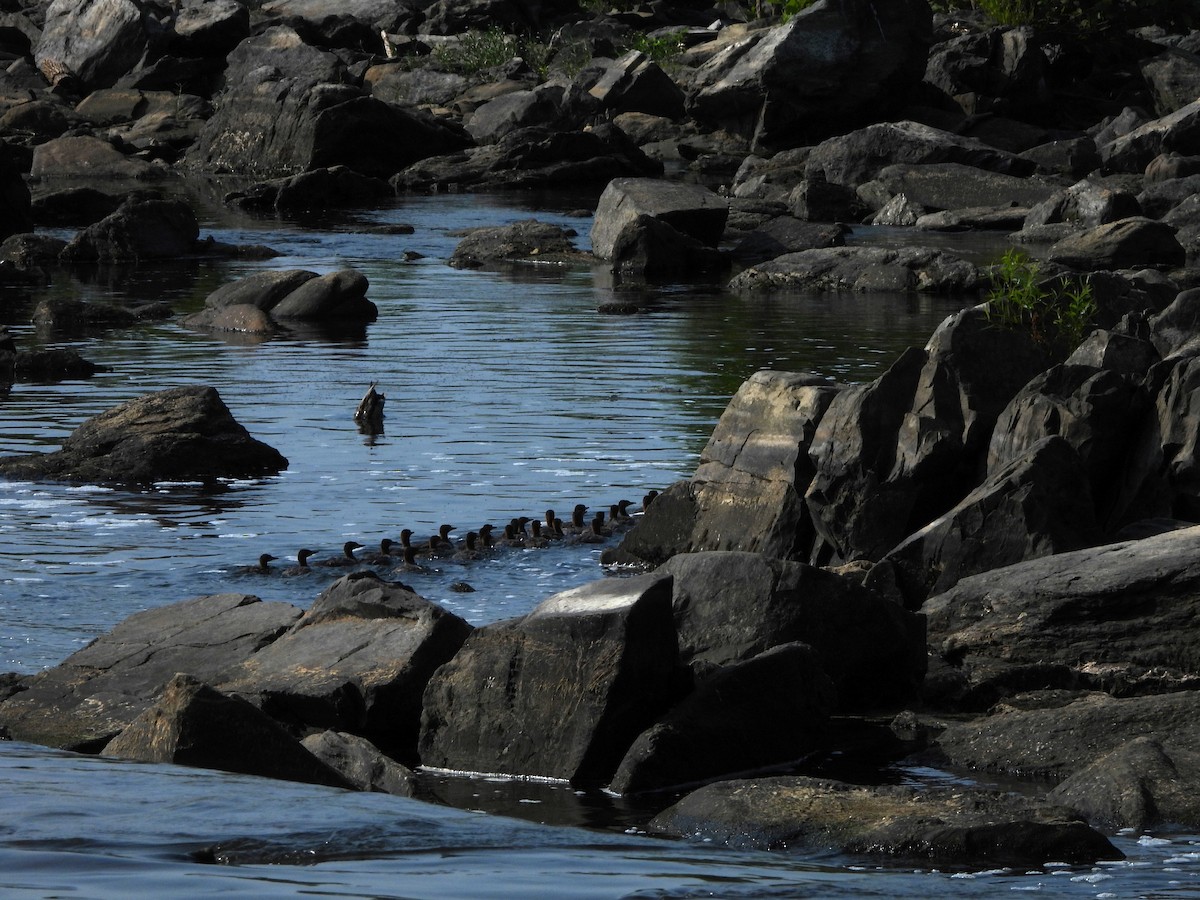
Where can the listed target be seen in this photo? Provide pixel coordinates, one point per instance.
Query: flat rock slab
(94, 693)
(180, 434)
(959, 826)
(1118, 617)
(862, 269)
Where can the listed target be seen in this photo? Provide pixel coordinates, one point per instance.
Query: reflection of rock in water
(369, 414)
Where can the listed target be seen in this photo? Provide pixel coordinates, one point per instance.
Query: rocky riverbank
(982, 559)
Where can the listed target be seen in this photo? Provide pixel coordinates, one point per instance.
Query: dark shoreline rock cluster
(983, 559)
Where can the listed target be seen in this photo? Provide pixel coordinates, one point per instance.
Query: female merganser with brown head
(263, 567)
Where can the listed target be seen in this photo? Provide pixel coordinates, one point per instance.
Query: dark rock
(529, 242)
(357, 661)
(330, 188)
(88, 157)
(1124, 354)
(94, 693)
(1097, 411)
(534, 158)
(997, 63)
(513, 111)
(748, 491)
(69, 315)
(1126, 244)
(1174, 329)
(605, 652)
(287, 109)
(14, 198)
(74, 206)
(1113, 618)
(730, 606)
(817, 200)
(396, 83)
(1158, 199)
(862, 269)
(651, 249)
(635, 83)
(242, 318)
(976, 218)
(765, 711)
(691, 210)
(1037, 505)
(1087, 203)
(138, 230)
(786, 234)
(894, 455)
(180, 434)
(830, 67)
(40, 119)
(193, 725)
(948, 825)
(1178, 408)
(1175, 132)
(950, 185)
(1173, 78)
(1139, 785)
(46, 366)
(208, 28)
(361, 763)
(339, 295)
(859, 156)
(1064, 739)
(1071, 158)
(262, 290)
(1171, 167)
(97, 41)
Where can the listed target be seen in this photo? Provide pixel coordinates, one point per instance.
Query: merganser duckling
(384, 557)
(302, 563)
(485, 537)
(536, 540)
(578, 525)
(410, 563)
(439, 544)
(468, 552)
(648, 499)
(596, 533)
(263, 567)
(346, 559)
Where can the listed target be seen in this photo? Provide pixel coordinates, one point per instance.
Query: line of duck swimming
(520, 533)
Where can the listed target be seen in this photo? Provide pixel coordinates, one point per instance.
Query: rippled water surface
(507, 394)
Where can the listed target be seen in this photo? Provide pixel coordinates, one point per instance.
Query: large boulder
(765, 711)
(262, 290)
(730, 606)
(528, 242)
(361, 763)
(1176, 132)
(326, 188)
(1036, 505)
(84, 156)
(635, 83)
(561, 692)
(857, 157)
(748, 491)
(952, 185)
(893, 455)
(1088, 203)
(179, 434)
(690, 209)
(1131, 243)
(950, 825)
(650, 249)
(208, 28)
(137, 230)
(829, 68)
(340, 295)
(191, 724)
(97, 41)
(83, 702)
(286, 109)
(357, 661)
(1115, 617)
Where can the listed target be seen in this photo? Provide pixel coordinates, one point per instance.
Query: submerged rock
(946, 826)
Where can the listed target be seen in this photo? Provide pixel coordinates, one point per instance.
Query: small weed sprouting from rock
(664, 49)
(1057, 317)
(1092, 15)
(476, 51)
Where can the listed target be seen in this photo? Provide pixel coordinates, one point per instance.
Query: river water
(508, 393)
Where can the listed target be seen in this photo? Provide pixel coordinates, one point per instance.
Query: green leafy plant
(1056, 316)
(664, 49)
(476, 51)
